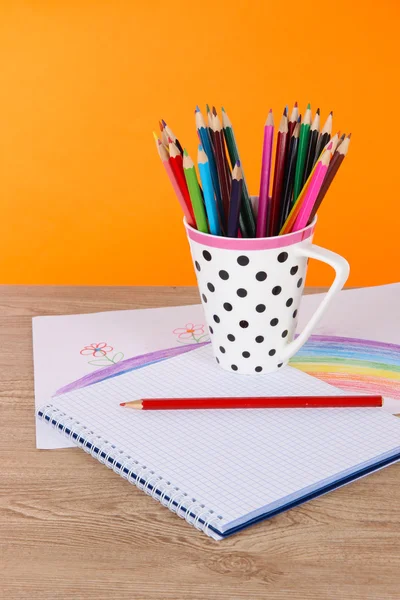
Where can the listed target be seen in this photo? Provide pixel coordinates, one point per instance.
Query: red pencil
(279, 402)
(176, 162)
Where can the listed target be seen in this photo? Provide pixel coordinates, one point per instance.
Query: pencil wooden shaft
(281, 150)
(320, 145)
(283, 402)
(289, 180)
(234, 208)
(222, 175)
(206, 143)
(301, 158)
(247, 220)
(330, 175)
(196, 199)
(312, 144)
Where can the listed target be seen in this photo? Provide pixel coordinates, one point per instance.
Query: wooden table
(69, 528)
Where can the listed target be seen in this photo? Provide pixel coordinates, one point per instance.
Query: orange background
(84, 199)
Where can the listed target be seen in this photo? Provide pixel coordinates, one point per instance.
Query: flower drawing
(100, 350)
(191, 333)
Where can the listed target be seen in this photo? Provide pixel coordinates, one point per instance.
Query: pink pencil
(263, 201)
(312, 191)
(187, 210)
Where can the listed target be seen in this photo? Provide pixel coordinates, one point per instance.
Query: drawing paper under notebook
(239, 464)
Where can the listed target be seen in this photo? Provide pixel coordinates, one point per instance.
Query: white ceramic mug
(251, 290)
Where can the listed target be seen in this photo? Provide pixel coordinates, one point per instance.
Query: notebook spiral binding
(148, 481)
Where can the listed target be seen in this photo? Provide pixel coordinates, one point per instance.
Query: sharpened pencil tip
(318, 111)
(349, 136)
(200, 148)
(197, 108)
(185, 153)
(270, 110)
(170, 141)
(238, 163)
(331, 113)
(122, 403)
(309, 106)
(155, 136)
(163, 122)
(296, 104)
(161, 126)
(214, 110)
(207, 108)
(222, 108)
(285, 112)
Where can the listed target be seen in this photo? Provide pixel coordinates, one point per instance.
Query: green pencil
(195, 193)
(247, 220)
(302, 153)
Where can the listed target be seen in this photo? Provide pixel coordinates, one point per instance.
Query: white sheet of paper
(58, 341)
(368, 313)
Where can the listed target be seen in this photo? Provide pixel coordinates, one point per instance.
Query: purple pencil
(265, 176)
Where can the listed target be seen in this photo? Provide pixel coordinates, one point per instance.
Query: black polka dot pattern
(300, 281)
(261, 276)
(231, 337)
(274, 322)
(244, 324)
(246, 354)
(282, 257)
(289, 302)
(222, 349)
(243, 261)
(198, 267)
(295, 314)
(207, 255)
(260, 308)
(294, 270)
(259, 339)
(211, 330)
(284, 333)
(216, 318)
(211, 287)
(272, 352)
(280, 365)
(228, 306)
(224, 275)
(234, 367)
(258, 369)
(217, 359)
(276, 290)
(242, 293)
(204, 298)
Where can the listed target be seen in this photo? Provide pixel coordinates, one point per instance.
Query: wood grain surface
(70, 528)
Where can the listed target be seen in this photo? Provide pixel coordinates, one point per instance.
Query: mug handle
(342, 269)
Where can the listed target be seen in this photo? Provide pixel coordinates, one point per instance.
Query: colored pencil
(235, 201)
(280, 158)
(293, 120)
(312, 144)
(176, 162)
(302, 153)
(247, 219)
(289, 175)
(195, 193)
(274, 402)
(172, 136)
(223, 176)
(186, 208)
(205, 140)
(164, 136)
(208, 191)
(324, 138)
(263, 197)
(312, 191)
(337, 159)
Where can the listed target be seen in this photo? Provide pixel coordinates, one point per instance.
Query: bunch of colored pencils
(218, 201)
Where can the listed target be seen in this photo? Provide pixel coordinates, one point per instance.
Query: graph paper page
(234, 461)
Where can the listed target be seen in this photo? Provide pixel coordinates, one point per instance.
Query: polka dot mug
(251, 290)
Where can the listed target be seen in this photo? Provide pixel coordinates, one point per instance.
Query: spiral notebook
(224, 470)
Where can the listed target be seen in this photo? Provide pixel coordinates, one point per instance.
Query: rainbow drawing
(353, 364)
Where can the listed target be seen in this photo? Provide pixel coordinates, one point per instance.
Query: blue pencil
(208, 192)
(207, 147)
